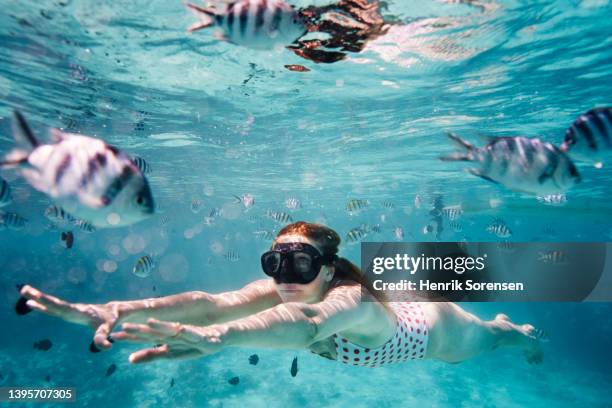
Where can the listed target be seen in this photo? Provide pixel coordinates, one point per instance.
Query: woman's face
(304, 292)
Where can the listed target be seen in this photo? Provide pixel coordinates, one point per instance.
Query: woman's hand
(179, 341)
(102, 318)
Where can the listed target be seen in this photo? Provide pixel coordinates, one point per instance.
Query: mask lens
(302, 263)
(270, 263)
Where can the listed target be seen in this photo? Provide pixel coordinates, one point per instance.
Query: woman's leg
(456, 335)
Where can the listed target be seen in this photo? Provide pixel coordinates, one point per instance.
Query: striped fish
(279, 216)
(264, 235)
(87, 177)
(589, 138)
(388, 205)
(142, 165)
(12, 221)
(453, 212)
(247, 201)
(196, 205)
(356, 234)
(356, 205)
(398, 233)
(84, 226)
(5, 193)
(520, 164)
(258, 24)
(376, 229)
(553, 199)
(58, 216)
(553, 257)
(144, 266)
(164, 219)
(455, 226)
(499, 228)
(293, 203)
(417, 201)
(231, 256)
(506, 247)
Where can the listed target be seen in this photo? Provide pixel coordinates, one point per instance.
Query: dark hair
(328, 242)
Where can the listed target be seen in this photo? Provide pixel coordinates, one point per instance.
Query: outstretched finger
(167, 328)
(142, 331)
(54, 305)
(124, 336)
(150, 354)
(101, 337)
(32, 304)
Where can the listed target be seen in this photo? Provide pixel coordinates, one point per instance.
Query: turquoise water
(214, 120)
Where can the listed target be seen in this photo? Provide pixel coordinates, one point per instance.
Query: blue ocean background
(216, 121)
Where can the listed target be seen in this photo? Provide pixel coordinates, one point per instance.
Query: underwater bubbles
(216, 247)
(173, 268)
(189, 233)
(134, 243)
(209, 191)
(106, 265)
(76, 275)
(113, 218)
(109, 266)
(115, 251)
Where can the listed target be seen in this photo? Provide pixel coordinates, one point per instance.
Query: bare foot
(525, 335)
(533, 351)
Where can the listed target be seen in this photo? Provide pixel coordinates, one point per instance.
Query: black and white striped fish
(293, 203)
(506, 247)
(5, 193)
(84, 226)
(388, 205)
(264, 235)
(144, 266)
(87, 177)
(258, 24)
(520, 164)
(398, 233)
(247, 200)
(452, 212)
(279, 216)
(356, 205)
(455, 226)
(553, 199)
(58, 216)
(142, 165)
(357, 234)
(196, 205)
(232, 256)
(499, 228)
(12, 221)
(589, 138)
(553, 257)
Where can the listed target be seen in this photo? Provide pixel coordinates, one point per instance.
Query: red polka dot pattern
(411, 330)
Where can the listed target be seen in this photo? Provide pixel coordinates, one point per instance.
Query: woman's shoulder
(344, 284)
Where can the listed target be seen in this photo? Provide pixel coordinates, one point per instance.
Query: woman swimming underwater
(312, 300)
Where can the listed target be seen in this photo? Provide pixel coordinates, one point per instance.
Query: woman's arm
(288, 325)
(191, 307)
(201, 308)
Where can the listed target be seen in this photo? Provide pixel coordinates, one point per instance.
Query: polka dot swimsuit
(408, 343)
